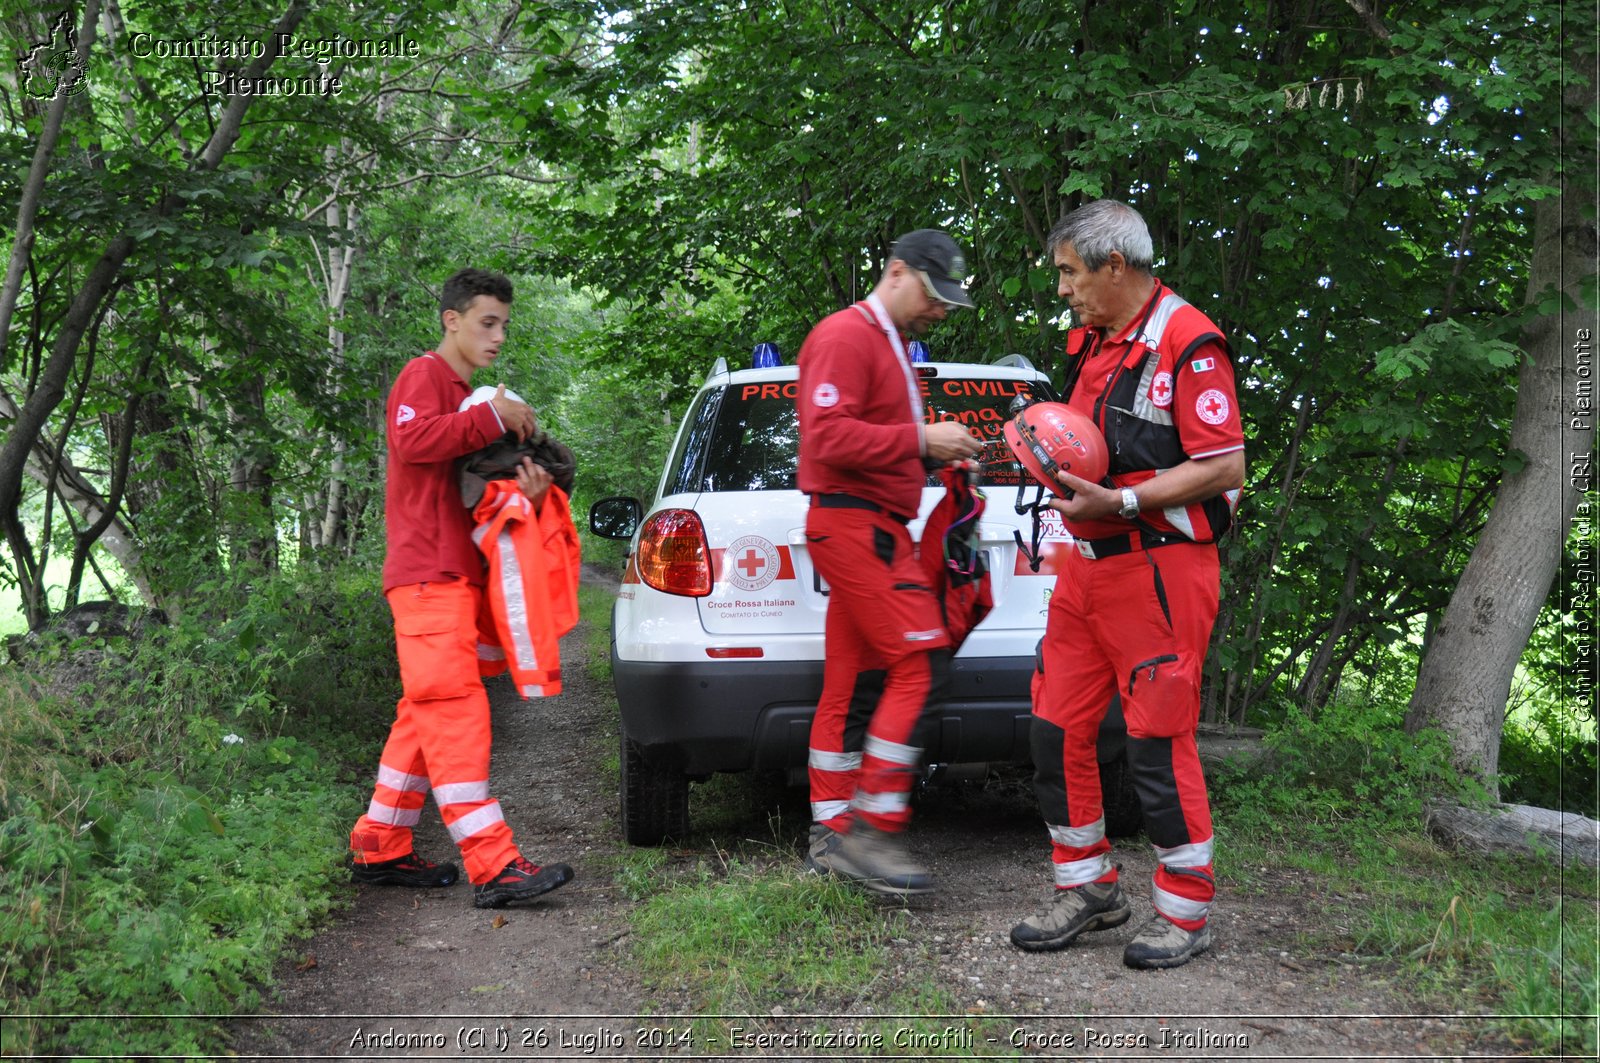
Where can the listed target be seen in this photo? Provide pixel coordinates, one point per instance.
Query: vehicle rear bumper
(739, 716)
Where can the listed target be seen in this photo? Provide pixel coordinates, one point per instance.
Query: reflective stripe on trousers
(440, 736)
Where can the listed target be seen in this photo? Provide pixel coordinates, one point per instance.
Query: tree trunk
(252, 536)
(1465, 679)
(31, 415)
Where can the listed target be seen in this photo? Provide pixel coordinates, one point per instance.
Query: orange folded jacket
(532, 597)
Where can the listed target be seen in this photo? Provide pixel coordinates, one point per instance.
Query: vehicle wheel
(655, 800)
(1124, 817)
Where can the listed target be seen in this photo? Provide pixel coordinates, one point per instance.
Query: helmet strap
(1030, 552)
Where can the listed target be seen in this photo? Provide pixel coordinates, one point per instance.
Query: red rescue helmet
(1050, 437)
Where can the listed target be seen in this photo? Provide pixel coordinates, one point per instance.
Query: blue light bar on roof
(766, 356)
(918, 352)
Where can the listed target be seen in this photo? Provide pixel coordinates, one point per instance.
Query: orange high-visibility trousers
(440, 738)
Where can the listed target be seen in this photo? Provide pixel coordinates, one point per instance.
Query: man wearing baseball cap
(865, 450)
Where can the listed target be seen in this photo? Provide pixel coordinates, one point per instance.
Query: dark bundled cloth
(952, 555)
(500, 459)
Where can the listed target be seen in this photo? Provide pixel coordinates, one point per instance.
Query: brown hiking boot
(1164, 944)
(1072, 912)
(878, 861)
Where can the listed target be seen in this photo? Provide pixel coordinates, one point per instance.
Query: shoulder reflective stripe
(893, 752)
(823, 760)
(826, 810)
(1082, 872)
(1079, 837)
(1156, 327)
(1196, 854)
(395, 779)
(1142, 407)
(881, 804)
(454, 793)
(379, 812)
(1175, 907)
(474, 822)
(1216, 453)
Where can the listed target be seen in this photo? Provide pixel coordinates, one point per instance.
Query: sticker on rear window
(752, 563)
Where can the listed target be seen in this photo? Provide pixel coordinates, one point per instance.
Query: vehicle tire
(1124, 816)
(655, 800)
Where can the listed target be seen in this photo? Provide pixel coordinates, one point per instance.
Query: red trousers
(440, 737)
(1135, 626)
(886, 660)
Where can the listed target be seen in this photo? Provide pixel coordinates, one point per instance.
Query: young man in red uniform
(864, 455)
(433, 577)
(1133, 607)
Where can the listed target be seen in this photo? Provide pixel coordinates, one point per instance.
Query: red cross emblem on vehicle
(752, 563)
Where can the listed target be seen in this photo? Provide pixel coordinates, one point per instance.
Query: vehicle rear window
(746, 437)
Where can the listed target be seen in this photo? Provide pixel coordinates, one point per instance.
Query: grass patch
(739, 937)
(171, 811)
(1343, 803)
(594, 607)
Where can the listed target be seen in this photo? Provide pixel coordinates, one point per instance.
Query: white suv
(717, 630)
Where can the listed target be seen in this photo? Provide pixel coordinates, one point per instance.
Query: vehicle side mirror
(616, 517)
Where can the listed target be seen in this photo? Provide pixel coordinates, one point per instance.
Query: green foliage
(1341, 796)
(1548, 759)
(594, 606)
(1350, 207)
(1352, 764)
(167, 827)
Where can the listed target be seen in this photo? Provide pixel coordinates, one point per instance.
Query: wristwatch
(1130, 504)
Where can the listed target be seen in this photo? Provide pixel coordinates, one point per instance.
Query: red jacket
(952, 556)
(429, 531)
(861, 411)
(1162, 391)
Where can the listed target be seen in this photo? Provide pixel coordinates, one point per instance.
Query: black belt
(838, 501)
(1112, 545)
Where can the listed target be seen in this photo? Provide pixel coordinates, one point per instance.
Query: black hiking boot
(520, 881)
(408, 870)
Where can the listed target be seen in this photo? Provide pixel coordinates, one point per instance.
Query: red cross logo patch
(1161, 390)
(1212, 407)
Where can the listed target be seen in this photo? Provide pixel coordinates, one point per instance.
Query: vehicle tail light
(673, 556)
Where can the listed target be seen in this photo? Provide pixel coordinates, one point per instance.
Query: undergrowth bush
(1551, 763)
(1343, 795)
(1353, 761)
(166, 828)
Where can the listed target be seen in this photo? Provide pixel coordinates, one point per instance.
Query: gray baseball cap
(939, 259)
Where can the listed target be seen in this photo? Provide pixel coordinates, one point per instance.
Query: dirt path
(424, 975)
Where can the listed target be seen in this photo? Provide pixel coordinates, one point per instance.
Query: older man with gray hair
(1133, 606)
